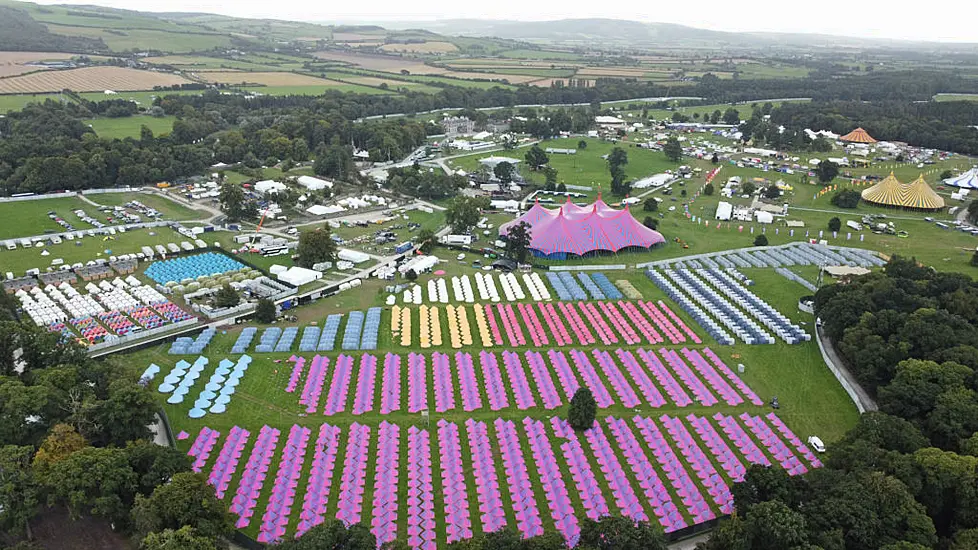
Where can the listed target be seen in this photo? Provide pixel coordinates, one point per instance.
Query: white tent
(299, 276)
(314, 184)
(352, 256)
(724, 211)
(320, 210)
(967, 180)
(269, 186)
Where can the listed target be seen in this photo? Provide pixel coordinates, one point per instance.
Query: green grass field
(120, 128)
(956, 97)
(312, 90)
(144, 99)
(26, 218)
(170, 209)
(16, 102)
(172, 41)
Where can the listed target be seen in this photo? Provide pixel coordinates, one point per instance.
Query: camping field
(27, 218)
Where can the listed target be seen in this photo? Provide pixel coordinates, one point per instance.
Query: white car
(460, 257)
(816, 444)
(672, 208)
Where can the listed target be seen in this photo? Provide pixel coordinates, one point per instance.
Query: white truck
(854, 225)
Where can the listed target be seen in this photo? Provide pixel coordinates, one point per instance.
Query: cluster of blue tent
(186, 345)
(371, 327)
(786, 256)
(709, 325)
(792, 276)
(331, 329)
(268, 339)
(310, 337)
(566, 287)
(191, 267)
(608, 288)
(243, 342)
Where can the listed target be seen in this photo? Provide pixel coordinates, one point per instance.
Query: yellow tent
(888, 192)
(920, 195)
(858, 136)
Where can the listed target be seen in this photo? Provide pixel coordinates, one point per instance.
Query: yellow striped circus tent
(858, 136)
(920, 195)
(888, 192)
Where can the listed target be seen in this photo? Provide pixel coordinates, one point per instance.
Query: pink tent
(577, 230)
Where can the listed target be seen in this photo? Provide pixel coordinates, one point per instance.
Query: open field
(88, 79)
(124, 127)
(382, 63)
(143, 99)
(956, 97)
(173, 41)
(170, 209)
(27, 218)
(16, 102)
(264, 79)
(313, 90)
(422, 48)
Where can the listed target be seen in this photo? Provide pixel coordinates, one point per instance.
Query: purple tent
(577, 230)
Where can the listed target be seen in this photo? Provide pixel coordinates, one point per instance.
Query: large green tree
(332, 535)
(316, 247)
(583, 408)
(504, 171)
(673, 149)
(617, 160)
(185, 538)
(235, 204)
(186, 500)
(536, 158)
(19, 490)
(518, 242)
(463, 213)
(620, 533)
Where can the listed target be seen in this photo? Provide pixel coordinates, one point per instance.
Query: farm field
(432, 47)
(124, 127)
(144, 99)
(350, 404)
(263, 79)
(956, 97)
(88, 79)
(312, 90)
(174, 41)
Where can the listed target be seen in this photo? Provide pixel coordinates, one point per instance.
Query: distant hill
(20, 32)
(619, 32)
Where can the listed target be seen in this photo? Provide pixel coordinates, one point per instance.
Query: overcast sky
(946, 21)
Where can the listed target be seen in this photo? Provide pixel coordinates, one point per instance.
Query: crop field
(264, 79)
(380, 63)
(422, 48)
(88, 79)
(124, 127)
(15, 63)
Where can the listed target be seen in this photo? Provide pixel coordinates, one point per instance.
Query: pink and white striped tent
(578, 230)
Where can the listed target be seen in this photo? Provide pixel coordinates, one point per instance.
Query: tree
(561, 187)
(518, 242)
(748, 188)
(332, 535)
(846, 198)
(620, 533)
(125, 415)
(504, 171)
(316, 247)
(463, 213)
(411, 275)
(60, 442)
(731, 116)
(673, 149)
(336, 161)
(683, 193)
(973, 211)
(762, 484)
(226, 296)
(426, 240)
(234, 204)
(550, 178)
(826, 171)
(835, 224)
(650, 222)
(947, 174)
(761, 240)
(708, 190)
(771, 192)
(96, 481)
(185, 538)
(582, 410)
(617, 160)
(187, 500)
(773, 526)
(650, 205)
(265, 311)
(974, 259)
(536, 158)
(18, 488)
(582, 144)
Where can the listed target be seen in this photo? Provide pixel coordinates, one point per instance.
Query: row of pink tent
(533, 476)
(634, 380)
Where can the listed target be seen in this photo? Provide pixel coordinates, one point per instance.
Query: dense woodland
(905, 478)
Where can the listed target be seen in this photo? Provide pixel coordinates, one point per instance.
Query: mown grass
(123, 127)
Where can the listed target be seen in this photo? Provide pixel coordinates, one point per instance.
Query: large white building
(269, 186)
(314, 184)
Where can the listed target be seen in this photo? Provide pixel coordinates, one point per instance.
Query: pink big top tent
(578, 230)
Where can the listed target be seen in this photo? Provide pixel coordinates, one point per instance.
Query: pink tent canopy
(572, 229)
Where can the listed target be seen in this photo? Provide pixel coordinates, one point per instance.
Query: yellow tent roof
(887, 192)
(920, 195)
(858, 136)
